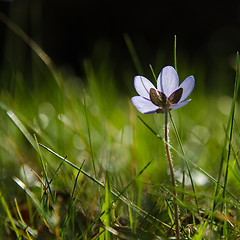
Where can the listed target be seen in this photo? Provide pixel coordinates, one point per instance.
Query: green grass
(77, 161)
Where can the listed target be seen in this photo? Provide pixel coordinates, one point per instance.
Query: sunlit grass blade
(37, 204)
(153, 73)
(44, 169)
(89, 136)
(151, 129)
(200, 231)
(72, 165)
(133, 53)
(26, 228)
(9, 215)
(117, 233)
(131, 219)
(106, 208)
(22, 128)
(175, 52)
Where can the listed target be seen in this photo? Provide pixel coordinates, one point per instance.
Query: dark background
(208, 34)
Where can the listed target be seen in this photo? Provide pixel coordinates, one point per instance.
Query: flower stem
(172, 176)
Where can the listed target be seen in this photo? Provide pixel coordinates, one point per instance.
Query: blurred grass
(91, 121)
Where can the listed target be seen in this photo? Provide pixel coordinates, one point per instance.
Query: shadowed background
(208, 36)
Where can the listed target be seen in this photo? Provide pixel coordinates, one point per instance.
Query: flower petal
(168, 80)
(142, 86)
(175, 97)
(158, 98)
(187, 85)
(143, 105)
(180, 104)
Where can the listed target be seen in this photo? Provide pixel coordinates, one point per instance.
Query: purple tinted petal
(187, 85)
(180, 104)
(168, 80)
(143, 105)
(142, 86)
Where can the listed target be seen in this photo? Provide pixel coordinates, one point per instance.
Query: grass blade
(22, 128)
(153, 73)
(229, 134)
(133, 53)
(72, 165)
(9, 215)
(200, 231)
(21, 219)
(89, 136)
(34, 200)
(175, 52)
(72, 202)
(230, 126)
(106, 208)
(44, 169)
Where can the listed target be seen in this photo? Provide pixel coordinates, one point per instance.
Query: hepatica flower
(168, 95)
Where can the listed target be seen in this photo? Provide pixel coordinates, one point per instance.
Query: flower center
(160, 99)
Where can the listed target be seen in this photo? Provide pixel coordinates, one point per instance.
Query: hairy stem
(172, 177)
